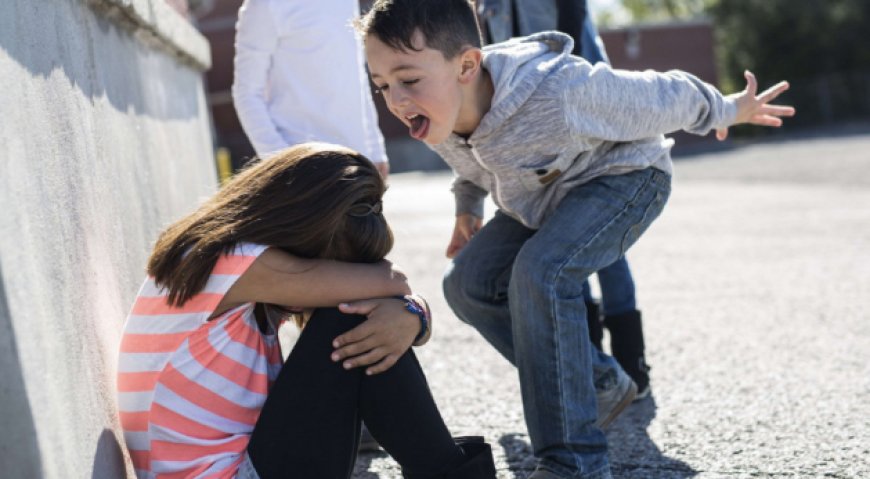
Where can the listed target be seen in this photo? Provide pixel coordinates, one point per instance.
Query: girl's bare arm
(280, 278)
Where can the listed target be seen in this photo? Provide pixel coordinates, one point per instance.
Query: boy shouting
(574, 157)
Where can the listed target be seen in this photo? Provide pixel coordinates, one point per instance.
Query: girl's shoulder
(238, 259)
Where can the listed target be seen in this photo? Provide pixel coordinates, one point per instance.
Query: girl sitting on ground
(202, 388)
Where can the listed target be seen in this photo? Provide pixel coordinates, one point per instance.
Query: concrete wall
(104, 138)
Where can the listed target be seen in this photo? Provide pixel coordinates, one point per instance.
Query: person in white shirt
(300, 76)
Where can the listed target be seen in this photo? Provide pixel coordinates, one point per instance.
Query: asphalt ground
(755, 291)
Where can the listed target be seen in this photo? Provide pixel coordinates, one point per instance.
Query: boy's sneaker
(544, 474)
(613, 401)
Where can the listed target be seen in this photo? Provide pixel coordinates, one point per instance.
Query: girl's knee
(332, 321)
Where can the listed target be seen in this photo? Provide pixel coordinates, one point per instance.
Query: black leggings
(309, 426)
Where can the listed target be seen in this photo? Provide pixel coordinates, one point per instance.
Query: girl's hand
(380, 340)
(755, 109)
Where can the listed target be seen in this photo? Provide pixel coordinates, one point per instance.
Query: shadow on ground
(108, 458)
(633, 454)
(19, 449)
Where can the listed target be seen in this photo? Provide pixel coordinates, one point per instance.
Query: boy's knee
(530, 271)
(461, 285)
(450, 282)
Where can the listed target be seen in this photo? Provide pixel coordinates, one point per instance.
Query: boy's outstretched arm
(756, 109)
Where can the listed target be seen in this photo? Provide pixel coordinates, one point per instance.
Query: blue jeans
(617, 289)
(521, 289)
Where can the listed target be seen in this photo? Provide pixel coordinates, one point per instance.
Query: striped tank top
(190, 390)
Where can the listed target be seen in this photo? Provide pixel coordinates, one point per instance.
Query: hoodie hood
(517, 67)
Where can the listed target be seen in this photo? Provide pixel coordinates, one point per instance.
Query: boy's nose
(396, 97)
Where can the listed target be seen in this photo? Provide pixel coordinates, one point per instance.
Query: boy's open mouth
(419, 126)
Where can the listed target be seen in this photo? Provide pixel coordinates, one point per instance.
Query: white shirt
(299, 76)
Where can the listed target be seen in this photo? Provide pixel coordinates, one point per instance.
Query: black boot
(627, 347)
(593, 318)
(477, 464)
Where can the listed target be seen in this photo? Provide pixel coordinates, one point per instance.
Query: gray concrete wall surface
(104, 138)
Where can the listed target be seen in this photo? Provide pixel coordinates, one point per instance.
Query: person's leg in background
(623, 323)
(309, 425)
(618, 304)
(593, 316)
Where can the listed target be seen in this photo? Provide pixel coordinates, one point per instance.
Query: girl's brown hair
(313, 200)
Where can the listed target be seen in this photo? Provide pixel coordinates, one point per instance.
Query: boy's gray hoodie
(556, 122)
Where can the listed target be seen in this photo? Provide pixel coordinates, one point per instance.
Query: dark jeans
(617, 289)
(309, 426)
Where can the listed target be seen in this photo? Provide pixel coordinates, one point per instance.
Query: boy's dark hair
(447, 25)
(312, 200)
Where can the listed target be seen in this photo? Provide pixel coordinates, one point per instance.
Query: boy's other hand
(466, 226)
(379, 341)
(756, 109)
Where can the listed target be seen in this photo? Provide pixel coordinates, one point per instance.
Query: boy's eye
(380, 89)
(410, 82)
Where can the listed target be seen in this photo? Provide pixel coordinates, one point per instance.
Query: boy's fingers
(776, 110)
(751, 83)
(768, 95)
(766, 120)
(454, 247)
(382, 366)
(722, 134)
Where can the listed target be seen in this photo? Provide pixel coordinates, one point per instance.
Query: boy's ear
(469, 64)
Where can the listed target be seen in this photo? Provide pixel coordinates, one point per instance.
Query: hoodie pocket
(544, 173)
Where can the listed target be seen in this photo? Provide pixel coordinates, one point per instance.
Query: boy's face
(421, 88)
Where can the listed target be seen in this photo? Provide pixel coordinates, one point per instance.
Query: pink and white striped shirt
(190, 390)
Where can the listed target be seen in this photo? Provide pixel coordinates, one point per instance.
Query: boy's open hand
(466, 226)
(380, 340)
(755, 109)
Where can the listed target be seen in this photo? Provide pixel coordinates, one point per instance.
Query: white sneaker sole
(623, 403)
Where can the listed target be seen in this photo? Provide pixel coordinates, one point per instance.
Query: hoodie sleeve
(469, 197)
(620, 105)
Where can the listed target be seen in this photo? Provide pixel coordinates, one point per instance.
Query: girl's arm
(280, 278)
